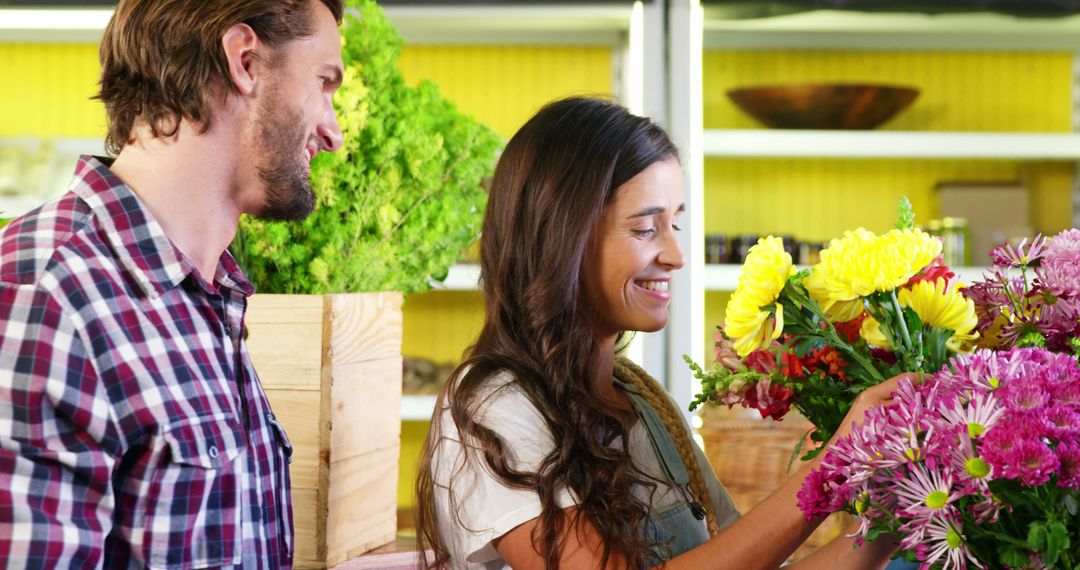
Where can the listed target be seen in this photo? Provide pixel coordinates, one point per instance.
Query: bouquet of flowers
(874, 306)
(977, 467)
(1031, 296)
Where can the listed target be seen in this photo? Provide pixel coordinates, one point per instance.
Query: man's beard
(282, 169)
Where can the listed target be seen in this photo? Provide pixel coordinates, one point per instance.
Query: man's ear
(240, 43)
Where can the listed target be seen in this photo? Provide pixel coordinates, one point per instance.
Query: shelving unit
(694, 28)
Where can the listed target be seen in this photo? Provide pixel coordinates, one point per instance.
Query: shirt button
(213, 451)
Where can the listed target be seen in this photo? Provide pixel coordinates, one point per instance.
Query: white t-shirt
(484, 509)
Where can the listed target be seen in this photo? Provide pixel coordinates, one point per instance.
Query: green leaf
(1057, 541)
(1037, 536)
(1012, 556)
(905, 215)
(798, 448)
(1070, 504)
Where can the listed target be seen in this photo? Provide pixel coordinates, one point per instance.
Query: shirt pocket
(195, 500)
(283, 491)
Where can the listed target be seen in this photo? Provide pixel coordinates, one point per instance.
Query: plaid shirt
(133, 429)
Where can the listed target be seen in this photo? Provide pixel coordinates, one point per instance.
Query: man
(133, 430)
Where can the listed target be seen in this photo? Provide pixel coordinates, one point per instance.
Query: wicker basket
(750, 456)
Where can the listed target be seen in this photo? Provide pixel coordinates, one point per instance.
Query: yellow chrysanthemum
(764, 274)
(943, 306)
(939, 305)
(861, 263)
(871, 333)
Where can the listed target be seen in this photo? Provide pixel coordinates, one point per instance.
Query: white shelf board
(416, 408)
(494, 23)
(462, 277)
(437, 23)
(725, 277)
(835, 29)
(890, 144)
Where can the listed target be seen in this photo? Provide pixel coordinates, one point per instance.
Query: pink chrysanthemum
(923, 493)
(1023, 255)
(1069, 461)
(1024, 396)
(1030, 461)
(945, 546)
(1064, 247)
(978, 413)
(1063, 422)
(823, 493)
(1061, 279)
(1065, 393)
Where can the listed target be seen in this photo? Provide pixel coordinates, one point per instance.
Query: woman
(546, 449)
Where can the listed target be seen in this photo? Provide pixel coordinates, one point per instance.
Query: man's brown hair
(163, 61)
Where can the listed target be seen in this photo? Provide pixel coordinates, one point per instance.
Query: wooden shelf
(417, 408)
(890, 144)
(839, 29)
(462, 277)
(492, 23)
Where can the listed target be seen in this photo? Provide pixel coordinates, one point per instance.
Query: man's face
(296, 118)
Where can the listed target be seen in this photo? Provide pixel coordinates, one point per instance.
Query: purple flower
(1023, 255)
(945, 546)
(1065, 392)
(1023, 395)
(1060, 278)
(823, 493)
(977, 413)
(1064, 247)
(1030, 461)
(1063, 423)
(1069, 470)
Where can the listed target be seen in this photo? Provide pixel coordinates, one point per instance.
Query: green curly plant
(398, 202)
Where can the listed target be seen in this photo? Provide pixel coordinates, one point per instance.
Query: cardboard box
(997, 212)
(331, 367)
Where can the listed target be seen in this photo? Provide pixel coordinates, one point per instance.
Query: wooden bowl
(823, 105)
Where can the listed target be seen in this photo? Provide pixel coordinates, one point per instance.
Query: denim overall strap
(665, 448)
(677, 528)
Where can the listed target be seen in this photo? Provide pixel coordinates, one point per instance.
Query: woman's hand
(874, 396)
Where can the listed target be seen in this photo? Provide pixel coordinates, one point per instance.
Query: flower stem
(900, 317)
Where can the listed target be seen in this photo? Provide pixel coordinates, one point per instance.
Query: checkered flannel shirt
(133, 429)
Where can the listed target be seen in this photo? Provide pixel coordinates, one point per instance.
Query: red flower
(761, 360)
(830, 362)
(849, 330)
(790, 365)
(770, 400)
(936, 270)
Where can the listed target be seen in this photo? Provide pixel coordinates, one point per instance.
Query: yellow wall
(505, 85)
(45, 91)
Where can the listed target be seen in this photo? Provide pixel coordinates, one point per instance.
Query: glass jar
(955, 242)
(716, 248)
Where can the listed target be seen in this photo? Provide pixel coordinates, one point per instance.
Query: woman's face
(634, 251)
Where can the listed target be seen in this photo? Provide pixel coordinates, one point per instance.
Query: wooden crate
(331, 366)
(750, 456)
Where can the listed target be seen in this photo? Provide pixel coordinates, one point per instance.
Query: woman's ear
(240, 43)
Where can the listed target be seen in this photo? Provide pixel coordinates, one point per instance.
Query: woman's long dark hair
(550, 186)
